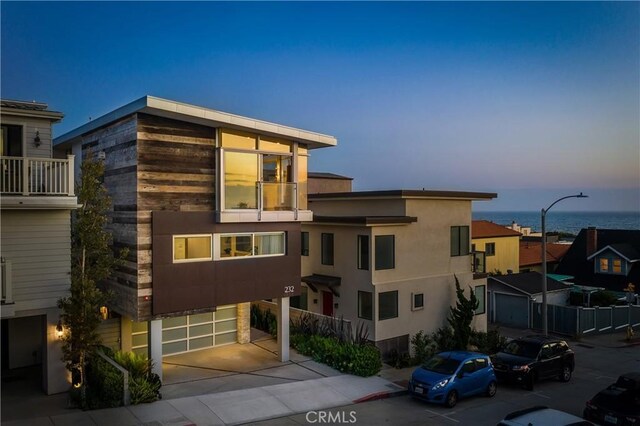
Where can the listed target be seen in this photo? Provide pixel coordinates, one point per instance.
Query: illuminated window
(191, 248)
(617, 266)
(604, 265)
(259, 244)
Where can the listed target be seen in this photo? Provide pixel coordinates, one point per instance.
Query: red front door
(327, 303)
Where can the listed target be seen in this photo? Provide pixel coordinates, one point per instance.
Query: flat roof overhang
(198, 115)
(404, 194)
(365, 220)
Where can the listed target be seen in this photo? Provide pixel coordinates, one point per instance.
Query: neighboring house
(499, 245)
(531, 255)
(388, 259)
(36, 199)
(511, 297)
(608, 258)
(210, 206)
(328, 182)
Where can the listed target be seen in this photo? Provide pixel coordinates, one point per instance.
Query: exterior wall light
(59, 330)
(104, 312)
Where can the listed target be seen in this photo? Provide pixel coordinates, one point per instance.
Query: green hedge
(361, 360)
(105, 385)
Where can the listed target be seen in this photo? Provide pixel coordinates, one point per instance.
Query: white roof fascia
(613, 250)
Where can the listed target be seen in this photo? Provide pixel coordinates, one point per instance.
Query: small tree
(461, 315)
(92, 261)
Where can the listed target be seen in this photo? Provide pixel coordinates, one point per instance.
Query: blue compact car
(449, 376)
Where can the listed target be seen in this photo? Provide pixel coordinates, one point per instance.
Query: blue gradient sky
(530, 100)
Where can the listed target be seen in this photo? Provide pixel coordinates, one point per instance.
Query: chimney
(592, 240)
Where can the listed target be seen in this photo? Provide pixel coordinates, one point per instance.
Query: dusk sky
(530, 100)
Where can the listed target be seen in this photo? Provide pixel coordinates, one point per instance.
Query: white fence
(36, 176)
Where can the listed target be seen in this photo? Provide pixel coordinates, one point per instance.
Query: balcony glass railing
(36, 176)
(277, 196)
(478, 264)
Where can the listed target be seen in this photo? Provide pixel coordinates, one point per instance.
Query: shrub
(444, 339)
(398, 359)
(423, 346)
(263, 320)
(489, 342)
(144, 389)
(311, 325)
(105, 385)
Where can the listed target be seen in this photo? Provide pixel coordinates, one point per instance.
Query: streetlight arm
(580, 195)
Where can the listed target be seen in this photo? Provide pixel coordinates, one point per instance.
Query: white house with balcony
(36, 199)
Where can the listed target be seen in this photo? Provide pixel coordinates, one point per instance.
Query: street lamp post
(545, 326)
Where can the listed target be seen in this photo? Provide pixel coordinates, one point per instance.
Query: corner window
(363, 252)
(326, 249)
(385, 252)
(387, 305)
(490, 249)
(417, 301)
(480, 292)
(304, 243)
(459, 240)
(258, 244)
(240, 177)
(191, 248)
(365, 305)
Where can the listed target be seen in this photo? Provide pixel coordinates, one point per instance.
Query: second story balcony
(29, 182)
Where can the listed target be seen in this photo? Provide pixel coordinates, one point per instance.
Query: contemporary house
(499, 244)
(210, 205)
(36, 198)
(511, 296)
(388, 259)
(606, 258)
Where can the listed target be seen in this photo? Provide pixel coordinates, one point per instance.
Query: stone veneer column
(155, 345)
(244, 322)
(283, 328)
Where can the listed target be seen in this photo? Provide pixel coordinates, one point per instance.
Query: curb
(381, 395)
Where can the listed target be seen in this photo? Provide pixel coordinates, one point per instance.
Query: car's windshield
(524, 349)
(441, 365)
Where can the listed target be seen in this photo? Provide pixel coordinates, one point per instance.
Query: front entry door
(327, 303)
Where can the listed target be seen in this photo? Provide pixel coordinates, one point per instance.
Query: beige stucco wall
(507, 255)
(323, 185)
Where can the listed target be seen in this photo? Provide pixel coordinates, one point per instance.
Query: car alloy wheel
(566, 374)
(492, 389)
(452, 399)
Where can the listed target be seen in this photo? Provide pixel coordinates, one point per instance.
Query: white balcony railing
(277, 196)
(36, 176)
(5, 277)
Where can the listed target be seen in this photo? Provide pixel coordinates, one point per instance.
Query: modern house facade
(36, 200)
(210, 206)
(389, 259)
(499, 245)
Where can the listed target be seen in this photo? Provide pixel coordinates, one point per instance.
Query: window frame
(304, 243)
(363, 256)
(490, 252)
(360, 313)
(458, 237)
(380, 305)
(414, 306)
(199, 259)
(217, 255)
(323, 260)
(482, 305)
(393, 252)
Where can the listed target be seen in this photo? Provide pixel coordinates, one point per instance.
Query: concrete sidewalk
(233, 407)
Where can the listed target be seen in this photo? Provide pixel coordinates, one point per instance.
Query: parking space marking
(444, 415)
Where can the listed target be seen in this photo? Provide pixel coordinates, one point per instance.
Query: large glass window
(240, 177)
(363, 252)
(326, 249)
(480, 292)
(236, 139)
(365, 305)
(388, 305)
(252, 244)
(191, 248)
(385, 252)
(459, 240)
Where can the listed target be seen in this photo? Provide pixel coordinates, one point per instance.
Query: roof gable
(486, 229)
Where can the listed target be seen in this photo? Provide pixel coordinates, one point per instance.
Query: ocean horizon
(564, 221)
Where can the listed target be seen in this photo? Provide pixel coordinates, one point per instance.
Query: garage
(511, 310)
(192, 332)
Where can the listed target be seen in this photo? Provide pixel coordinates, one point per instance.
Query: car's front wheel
(492, 388)
(452, 399)
(565, 375)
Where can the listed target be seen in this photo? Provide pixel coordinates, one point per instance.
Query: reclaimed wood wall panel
(175, 171)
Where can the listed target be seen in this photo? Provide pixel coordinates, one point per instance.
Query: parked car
(449, 376)
(543, 416)
(618, 404)
(532, 358)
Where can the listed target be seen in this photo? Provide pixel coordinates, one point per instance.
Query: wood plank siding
(176, 172)
(38, 245)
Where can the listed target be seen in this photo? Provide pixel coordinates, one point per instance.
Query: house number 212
(288, 289)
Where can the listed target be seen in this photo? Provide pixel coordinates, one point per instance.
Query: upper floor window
(608, 265)
(459, 240)
(191, 248)
(480, 292)
(257, 244)
(11, 145)
(385, 252)
(604, 265)
(617, 266)
(326, 249)
(490, 249)
(363, 252)
(304, 244)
